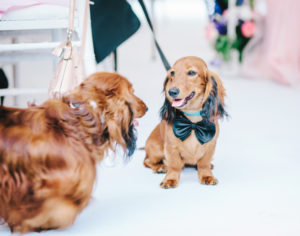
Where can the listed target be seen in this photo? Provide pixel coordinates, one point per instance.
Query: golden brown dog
(48, 153)
(189, 129)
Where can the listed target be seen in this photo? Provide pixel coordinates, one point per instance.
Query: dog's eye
(172, 73)
(191, 72)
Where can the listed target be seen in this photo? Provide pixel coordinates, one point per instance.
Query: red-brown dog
(189, 129)
(48, 153)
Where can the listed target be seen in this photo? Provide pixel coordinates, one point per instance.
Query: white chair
(41, 19)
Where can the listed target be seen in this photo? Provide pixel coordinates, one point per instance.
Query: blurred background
(255, 39)
(252, 44)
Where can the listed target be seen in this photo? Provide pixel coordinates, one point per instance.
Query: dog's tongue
(177, 103)
(135, 123)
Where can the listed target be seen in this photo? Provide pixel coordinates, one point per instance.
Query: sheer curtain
(275, 51)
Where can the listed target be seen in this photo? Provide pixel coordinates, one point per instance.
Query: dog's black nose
(173, 92)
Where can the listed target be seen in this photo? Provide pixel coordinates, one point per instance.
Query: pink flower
(210, 31)
(248, 29)
(225, 14)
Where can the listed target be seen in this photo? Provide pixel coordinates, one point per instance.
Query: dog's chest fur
(191, 150)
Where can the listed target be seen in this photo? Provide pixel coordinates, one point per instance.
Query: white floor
(257, 160)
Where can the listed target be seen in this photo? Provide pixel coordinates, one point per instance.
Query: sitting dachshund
(48, 153)
(188, 132)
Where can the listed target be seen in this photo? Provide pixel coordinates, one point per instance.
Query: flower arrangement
(217, 29)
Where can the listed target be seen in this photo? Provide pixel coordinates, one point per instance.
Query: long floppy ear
(167, 112)
(120, 129)
(213, 99)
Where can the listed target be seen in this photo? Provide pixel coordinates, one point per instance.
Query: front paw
(159, 169)
(209, 180)
(169, 183)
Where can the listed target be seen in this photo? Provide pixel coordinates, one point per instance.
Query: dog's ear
(74, 100)
(213, 99)
(167, 112)
(120, 129)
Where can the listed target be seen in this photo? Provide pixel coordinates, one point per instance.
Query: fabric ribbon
(204, 130)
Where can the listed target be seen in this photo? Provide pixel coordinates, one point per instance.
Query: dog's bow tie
(204, 130)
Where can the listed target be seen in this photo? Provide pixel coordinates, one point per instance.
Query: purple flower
(216, 62)
(221, 27)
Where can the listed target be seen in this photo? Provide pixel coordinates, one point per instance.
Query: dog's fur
(48, 153)
(165, 152)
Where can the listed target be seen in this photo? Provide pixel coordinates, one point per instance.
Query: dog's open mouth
(178, 103)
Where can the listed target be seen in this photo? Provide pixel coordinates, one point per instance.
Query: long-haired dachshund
(189, 129)
(48, 153)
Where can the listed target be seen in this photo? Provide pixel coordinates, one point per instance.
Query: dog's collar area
(74, 105)
(92, 103)
(197, 113)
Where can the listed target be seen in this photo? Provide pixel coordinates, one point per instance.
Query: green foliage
(223, 46)
(240, 41)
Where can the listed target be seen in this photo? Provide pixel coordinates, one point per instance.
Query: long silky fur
(213, 107)
(130, 140)
(48, 153)
(130, 136)
(167, 112)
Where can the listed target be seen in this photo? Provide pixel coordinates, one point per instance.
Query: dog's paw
(209, 180)
(18, 229)
(160, 169)
(169, 183)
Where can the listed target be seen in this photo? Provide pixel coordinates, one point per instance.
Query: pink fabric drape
(277, 56)
(12, 5)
